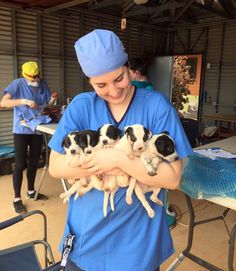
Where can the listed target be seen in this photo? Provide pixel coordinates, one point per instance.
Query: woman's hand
(30, 103)
(103, 160)
(114, 172)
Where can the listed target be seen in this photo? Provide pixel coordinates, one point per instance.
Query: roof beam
(211, 10)
(65, 5)
(161, 8)
(188, 3)
(228, 7)
(129, 5)
(140, 10)
(11, 4)
(103, 4)
(36, 3)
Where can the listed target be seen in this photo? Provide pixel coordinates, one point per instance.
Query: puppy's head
(137, 136)
(108, 135)
(164, 146)
(70, 144)
(87, 140)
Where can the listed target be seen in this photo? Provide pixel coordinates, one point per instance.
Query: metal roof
(162, 13)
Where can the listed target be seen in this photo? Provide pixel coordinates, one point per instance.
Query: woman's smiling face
(114, 87)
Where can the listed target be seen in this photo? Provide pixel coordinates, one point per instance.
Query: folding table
(228, 144)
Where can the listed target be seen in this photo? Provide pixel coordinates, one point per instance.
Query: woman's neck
(118, 110)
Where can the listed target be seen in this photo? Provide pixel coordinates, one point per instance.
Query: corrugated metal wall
(49, 40)
(217, 44)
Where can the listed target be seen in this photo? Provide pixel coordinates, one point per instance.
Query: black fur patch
(113, 132)
(82, 138)
(164, 145)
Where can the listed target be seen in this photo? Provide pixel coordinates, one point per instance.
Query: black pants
(21, 144)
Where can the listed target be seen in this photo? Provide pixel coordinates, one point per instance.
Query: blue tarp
(206, 178)
(6, 151)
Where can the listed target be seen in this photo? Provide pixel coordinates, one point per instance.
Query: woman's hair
(137, 64)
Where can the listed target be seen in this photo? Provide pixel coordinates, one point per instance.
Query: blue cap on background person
(100, 52)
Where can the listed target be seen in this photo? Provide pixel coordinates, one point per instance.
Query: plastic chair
(24, 257)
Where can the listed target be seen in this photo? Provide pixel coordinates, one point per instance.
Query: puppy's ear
(148, 133)
(165, 132)
(66, 142)
(94, 138)
(127, 130)
(117, 132)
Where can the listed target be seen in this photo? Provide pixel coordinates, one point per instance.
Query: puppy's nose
(140, 148)
(104, 141)
(72, 151)
(88, 152)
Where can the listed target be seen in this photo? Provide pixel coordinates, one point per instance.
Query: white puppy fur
(159, 148)
(76, 145)
(132, 143)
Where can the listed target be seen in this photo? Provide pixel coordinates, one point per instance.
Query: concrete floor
(210, 240)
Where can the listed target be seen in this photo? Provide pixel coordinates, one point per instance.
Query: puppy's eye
(132, 138)
(145, 138)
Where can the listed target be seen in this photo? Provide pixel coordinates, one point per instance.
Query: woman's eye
(119, 79)
(101, 86)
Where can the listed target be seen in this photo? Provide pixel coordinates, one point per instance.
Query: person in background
(138, 73)
(27, 95)
(127, 239)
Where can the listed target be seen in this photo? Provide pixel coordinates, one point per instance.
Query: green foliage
(181, 81)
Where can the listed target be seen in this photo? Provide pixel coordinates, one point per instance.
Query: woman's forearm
(58, 168)
(168, 175)
(11, 102)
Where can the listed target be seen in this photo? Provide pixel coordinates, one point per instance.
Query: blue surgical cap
(100, 52)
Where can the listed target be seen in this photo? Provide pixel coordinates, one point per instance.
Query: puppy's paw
(78, 194)
(63, 196)
(154, 167)
(107, 189)
(129, 200)
(157, 201)
(152, 173)
(99, 177)
(151, 213)
(66, 200)
(131, 156)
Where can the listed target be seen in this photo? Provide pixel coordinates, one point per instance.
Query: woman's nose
(114, 91)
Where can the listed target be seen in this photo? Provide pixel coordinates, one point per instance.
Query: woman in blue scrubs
(127, 239)
(26, 95)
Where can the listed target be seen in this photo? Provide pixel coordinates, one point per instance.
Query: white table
(47, 129)
(228, 144)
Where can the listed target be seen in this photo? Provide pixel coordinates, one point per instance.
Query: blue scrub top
(19, 89)
(127, 239)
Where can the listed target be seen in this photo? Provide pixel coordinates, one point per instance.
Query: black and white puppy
(136, 136)
(108, 135)
(76, 144)
(160, 147)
